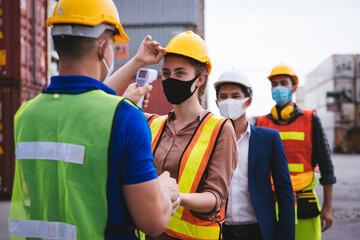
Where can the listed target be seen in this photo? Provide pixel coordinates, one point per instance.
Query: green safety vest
(62, 151)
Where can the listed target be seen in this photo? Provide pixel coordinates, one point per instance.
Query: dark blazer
(267, 154)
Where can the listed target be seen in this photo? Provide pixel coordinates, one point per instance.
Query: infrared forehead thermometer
(145, 76)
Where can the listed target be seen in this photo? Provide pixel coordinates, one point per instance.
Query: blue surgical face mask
(281, 95)
(111, 68)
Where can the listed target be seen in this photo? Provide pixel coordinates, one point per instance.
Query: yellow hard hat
(190, 45)
(88, 13)
(283, 69)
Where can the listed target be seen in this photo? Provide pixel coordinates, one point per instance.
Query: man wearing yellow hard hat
(306, 146)
(84, 164)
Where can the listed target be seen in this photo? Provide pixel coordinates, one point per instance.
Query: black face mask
(177, 91)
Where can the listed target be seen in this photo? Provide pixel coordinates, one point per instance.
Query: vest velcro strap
(296, 167)
(114, 230)
(64, 152)
(292, 136)
(42, 229)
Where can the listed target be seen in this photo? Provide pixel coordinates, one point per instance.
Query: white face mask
(111, 69)
(232, 108)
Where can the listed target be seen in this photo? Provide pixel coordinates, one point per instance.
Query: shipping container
(347, 85)
(23, 71)
(23, 42)
(336, 73)
(158, 103)
(11, 98)
(300, 93)
(357, 90)
(336, 66)
(357, 65)
(9, 102)
(327, 118)
(346, 117)
(347, 141)
(162, 19)
(141, 13)
(357, 111)
(161, 34)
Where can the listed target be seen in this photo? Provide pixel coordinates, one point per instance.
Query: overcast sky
(254, 36)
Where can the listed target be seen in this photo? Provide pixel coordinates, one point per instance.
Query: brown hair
(75, 47)
(199, 69)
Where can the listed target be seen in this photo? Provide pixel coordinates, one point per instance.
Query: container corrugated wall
(158, 103)
(23, 71)
(159, 12)
(161, 34)
(23, 42)
(9, 103)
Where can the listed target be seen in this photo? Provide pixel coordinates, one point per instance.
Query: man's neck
(241, 125)
(89, 68)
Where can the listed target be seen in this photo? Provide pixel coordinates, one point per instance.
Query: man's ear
(248, 102)
(103, 45)
(294, 89)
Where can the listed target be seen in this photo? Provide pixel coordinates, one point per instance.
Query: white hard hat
(233, 76)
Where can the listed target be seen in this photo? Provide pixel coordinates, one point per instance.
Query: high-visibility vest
(193, 163)
(60, 186)
(297, 140)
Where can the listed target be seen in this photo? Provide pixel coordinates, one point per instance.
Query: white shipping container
(347, 116)
(330, 136)
(357, 90)
(357, 65)
(333, 67)
(348, 86)
(300, 94)
(311, 79)
(344, 66)
(310, 100)
(322, 91)
(327, 118)
(357, 110)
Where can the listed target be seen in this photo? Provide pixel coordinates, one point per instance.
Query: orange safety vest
(297, 140)
(183, 224)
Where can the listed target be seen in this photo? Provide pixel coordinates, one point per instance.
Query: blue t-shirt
(131, 154)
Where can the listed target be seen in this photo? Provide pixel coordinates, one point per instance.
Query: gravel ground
(346, 201)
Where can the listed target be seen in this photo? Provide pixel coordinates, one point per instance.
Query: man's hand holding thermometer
(145, 76)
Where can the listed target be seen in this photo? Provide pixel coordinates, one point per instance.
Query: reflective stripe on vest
(42, 229)
(157, 124)
(297, 140)
(64, 152)
(193, 163)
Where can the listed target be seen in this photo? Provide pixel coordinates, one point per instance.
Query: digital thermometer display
(145, 76)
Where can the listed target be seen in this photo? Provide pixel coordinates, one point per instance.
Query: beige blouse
(220, 167)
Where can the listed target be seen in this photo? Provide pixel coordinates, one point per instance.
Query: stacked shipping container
(340, 73)
(162, 19)
(23, 71)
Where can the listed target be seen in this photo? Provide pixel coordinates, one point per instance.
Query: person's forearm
(198, 202)
(119, 78)
(328, 190)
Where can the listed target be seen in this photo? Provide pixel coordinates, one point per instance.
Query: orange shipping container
(23, 42)
(11, 98)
